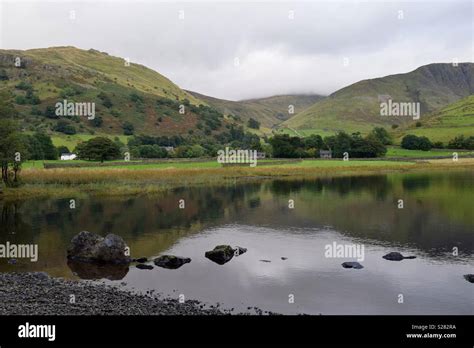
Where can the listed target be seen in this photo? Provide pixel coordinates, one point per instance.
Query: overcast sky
(246, 49)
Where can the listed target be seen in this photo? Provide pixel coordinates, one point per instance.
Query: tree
(128, 128)
(313, 142)
(64, 127)
(187, 151)
(152, 151)
(97, 121)
(50, 112)
(62, 149)
(254, 124)
(461, 142)
(367, 147)
(339, 143)
(105, 100)
(12, 151)
(413, 142)
(283, 146)
(12, 148)
(35, 151)
(382, 135)
(41, 147)
(3, 75)
(98, 149)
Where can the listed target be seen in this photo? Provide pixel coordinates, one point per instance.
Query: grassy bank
(153, 178)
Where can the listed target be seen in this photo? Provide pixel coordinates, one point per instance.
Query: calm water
(438, 215)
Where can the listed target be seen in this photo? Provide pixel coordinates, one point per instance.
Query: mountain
(129, 98)
(357, 107)
(269, 111)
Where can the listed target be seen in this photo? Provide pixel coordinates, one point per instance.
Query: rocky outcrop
(90, 247)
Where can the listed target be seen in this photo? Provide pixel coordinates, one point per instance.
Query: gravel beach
(38, 294)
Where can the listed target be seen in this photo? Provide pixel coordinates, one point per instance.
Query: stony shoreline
(38, 294)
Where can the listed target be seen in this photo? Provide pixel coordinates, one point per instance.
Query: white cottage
(68, 156)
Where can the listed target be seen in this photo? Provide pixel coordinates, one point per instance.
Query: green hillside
(443, 125)
(357, 107)
(269, 111)
(128, 99)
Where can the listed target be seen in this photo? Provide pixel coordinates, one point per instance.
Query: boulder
(220, 254)
(355, 265)
(143, 266)
(394, 256)
(90, 247)
(171, 261)
(469, 278)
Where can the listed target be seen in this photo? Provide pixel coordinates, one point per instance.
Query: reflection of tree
(419, 182)
(11, 220)
(378, 185)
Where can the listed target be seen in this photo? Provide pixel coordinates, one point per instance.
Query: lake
(275, 219)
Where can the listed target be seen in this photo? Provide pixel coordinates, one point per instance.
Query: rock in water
(220, 254)
(171, 261)
(469, 278)
(355, 265)
(394, 256)
(90, 247)
(143, 266)
(140, 260)
(239, 251)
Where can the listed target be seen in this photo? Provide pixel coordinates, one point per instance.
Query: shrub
(64, 127)
(128, 128)
(413, 142)
(381, 135)
(252, 123)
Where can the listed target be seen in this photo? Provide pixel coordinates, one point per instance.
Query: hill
(269, 111)
(128, 98)
(357, 107)
(445, 124)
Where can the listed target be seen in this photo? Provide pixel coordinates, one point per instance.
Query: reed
(67, 182)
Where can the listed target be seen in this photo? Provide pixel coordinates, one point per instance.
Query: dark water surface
(438, 215)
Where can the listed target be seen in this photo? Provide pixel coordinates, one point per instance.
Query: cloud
(281, 47)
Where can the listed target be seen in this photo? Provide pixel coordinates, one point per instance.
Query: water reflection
(437, 215)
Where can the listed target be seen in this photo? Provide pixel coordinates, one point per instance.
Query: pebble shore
(39, 294)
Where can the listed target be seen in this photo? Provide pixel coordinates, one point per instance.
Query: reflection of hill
(437, 214)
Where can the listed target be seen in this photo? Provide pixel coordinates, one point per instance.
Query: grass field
(399, 152)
